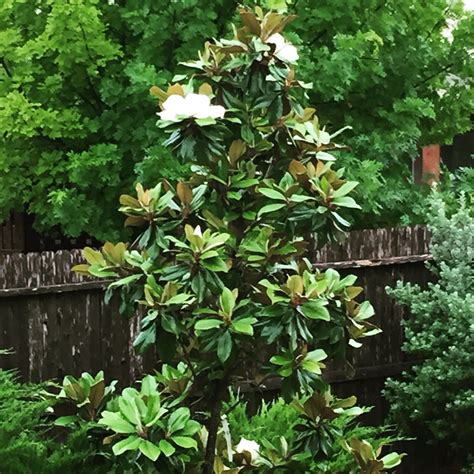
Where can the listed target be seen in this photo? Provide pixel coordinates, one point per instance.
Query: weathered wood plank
(92, 285)
(59, 288)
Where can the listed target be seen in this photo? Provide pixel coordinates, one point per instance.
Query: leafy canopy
(77, 121)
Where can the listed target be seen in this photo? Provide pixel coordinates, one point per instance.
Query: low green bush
(278, 419)
(21, 449)
(31, 443)
(436, 399)
(27, 442)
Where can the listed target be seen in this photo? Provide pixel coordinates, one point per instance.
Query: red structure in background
(430, 163)
(426, 167)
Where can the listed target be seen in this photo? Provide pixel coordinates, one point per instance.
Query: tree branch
(188, 360)
(216, 406)
(99, 101)
(5, 66)
(426, 79)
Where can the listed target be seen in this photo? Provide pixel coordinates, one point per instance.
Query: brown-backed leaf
(275, 23)
(129, 201)
(134, 221)
(205, 89)
(296, 168)
(354, 291)
(308, 114)
(236, 150)
(270, 24)
(295, 284)
(96, 394)
(184, 193)
(176, 89)
(117, 251)
(250, 21)
(155, 91)
(242, 35)
(291, 76)
(320, 168)
(110, 439)
(81, 268)
(93, 257)
(143, 196)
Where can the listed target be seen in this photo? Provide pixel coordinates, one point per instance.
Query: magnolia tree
(221, 268)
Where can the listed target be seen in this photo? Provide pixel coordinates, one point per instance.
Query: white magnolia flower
(177, 108)
(323, 137)
(249, 446)
(197, 231)
(283, 50)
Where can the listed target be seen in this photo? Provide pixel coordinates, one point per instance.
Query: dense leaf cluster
(437, 397)
(28, 445)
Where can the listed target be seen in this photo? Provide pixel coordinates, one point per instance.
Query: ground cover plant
(77, 121)
(28, 444)
(220, 266)
(435, 400)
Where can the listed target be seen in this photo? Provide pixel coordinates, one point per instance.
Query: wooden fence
(56, 322)
(12, 233)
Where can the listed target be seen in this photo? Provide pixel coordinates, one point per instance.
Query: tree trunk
(219, 393)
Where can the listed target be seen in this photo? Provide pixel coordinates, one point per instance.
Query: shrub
(278, 419)
(21, 449)
(26, 443)
(221, 270)
(436, 398)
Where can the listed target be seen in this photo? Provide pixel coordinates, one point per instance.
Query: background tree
(76, 117)
(434, 400)
(75, 112)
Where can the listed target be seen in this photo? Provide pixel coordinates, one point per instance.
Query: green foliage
(388, 70)
(218, 264)
(80, 400)
(272, 420)
(149, 426)
(77, 120)
(455, 185)
(76, 117)
(20, 416)
(436, 398)
(26, 443)
(280, 424)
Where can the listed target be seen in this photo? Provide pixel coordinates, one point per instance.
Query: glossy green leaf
(178, 419)
(315, 310)
(206, 324)
(270, 208)
(272, 194)
(167, 448)
(224, 346)
(150, 450)
(116, 422)
(128, 444)
(185, 442)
